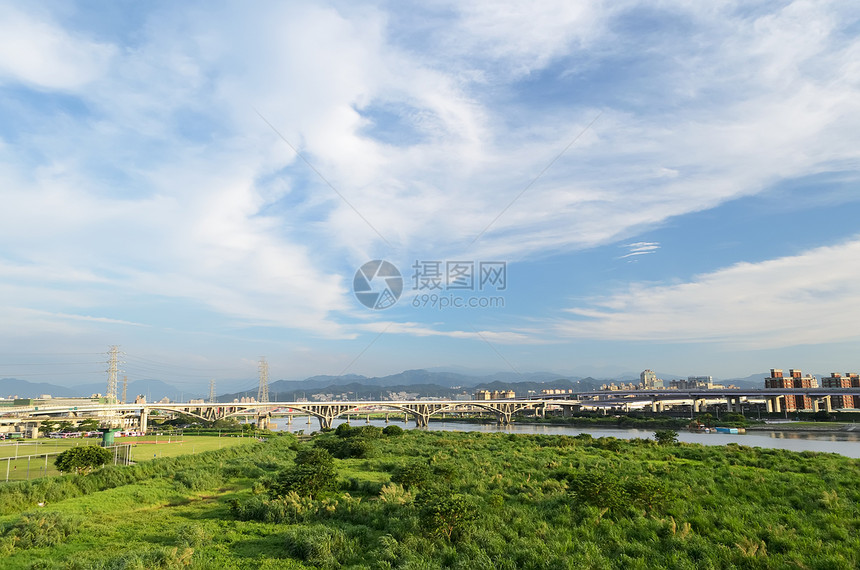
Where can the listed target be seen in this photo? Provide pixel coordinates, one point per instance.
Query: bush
(82, 459)
(600, 489)
(40, 530)
(604, 489)
(313, 474)
(666, 436)
(446, 515)
(412, 476)
(392, 431)
(319, 545)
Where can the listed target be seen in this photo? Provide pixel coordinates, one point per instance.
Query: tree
(392, 431)
(82, 459)
(666, 436)
(89, 424)
(446, 515)
(412, 476)
(313, 474)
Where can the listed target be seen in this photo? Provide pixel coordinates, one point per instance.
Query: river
(847, 443)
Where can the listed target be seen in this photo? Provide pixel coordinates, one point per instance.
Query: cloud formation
(137, 172)
(811, 298)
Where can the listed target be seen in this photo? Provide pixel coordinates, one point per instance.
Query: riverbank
(624, 422)
(811, 427)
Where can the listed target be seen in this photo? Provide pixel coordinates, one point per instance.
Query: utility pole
(263, 392)
(212, 391)
(124, 389)
(113, 370)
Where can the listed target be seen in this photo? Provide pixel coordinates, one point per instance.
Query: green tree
(666, 436)
(89, 424)
(82, 459)
(412, 476)
(313, 474)
(392, 431)
(706, 419)
(445, 515)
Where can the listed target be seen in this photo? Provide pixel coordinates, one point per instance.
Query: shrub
(319, 545)
(666, 436)
(82, 459)
(344, 430)
(357, 448)
(600, 489)
(412, 476)
(392, 431)
(40, 530)
(446, 515)
(314, 473)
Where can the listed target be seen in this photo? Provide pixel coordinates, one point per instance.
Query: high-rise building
(649, 381)
(848, 380)
(795, 379)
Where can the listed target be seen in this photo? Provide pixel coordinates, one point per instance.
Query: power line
(50, 363)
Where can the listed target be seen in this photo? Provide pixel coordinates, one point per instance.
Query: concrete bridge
(325, 412)
(421, 410)
(774, 398)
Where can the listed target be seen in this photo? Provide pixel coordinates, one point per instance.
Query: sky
(589, 188)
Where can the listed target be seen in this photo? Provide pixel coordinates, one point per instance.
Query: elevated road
(422, 410)
(325, 412)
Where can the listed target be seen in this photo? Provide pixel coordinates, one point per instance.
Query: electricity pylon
(113, 371)
(263, 392)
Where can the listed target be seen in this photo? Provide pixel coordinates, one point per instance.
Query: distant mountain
(751, 381)
(524, 388)
(152, 389)
(424, 383)
(25, 389)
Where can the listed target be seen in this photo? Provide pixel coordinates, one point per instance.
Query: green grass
(533, 501)
(142, 449)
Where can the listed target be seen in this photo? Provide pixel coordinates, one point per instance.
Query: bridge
(325, 412)
(422, 410)
(774, 398)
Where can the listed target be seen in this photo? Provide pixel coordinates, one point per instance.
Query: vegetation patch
(446, 500)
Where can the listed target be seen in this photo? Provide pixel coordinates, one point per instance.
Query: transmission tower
(113, 370)
(263, 392)
(212, 391)
(124, 389)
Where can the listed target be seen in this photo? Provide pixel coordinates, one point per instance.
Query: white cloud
(812, 298)
(168, 184)
(420, 329)
(42, 54)
(640, 248)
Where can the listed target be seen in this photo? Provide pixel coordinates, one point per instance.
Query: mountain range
(424, 383)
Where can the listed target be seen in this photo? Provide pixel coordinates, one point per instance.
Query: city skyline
(624, 187)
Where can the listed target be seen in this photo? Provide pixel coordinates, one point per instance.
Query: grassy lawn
(30, 462)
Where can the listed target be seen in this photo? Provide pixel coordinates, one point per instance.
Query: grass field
(444, 500)
(30, 454)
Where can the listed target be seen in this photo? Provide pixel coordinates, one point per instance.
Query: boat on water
(729, 430)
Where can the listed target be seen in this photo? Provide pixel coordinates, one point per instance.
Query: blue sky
(672, 186)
